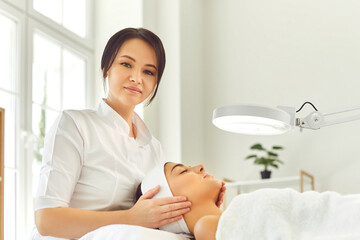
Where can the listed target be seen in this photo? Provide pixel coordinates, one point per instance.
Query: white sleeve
(61, 164)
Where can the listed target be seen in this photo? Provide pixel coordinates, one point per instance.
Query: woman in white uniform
(94, 160)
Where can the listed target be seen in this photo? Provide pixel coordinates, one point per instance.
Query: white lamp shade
(252, 119)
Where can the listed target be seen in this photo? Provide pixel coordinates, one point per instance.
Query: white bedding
(284, 214)
(130, 232)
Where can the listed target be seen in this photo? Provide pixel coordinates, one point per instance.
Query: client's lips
(207, 175)
(133, 89)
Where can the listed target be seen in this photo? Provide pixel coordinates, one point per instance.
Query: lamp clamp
(314, 120)
(317, 120)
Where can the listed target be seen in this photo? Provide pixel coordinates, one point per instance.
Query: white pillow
(131, 232)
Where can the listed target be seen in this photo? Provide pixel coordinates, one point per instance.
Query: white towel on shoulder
(283, 214)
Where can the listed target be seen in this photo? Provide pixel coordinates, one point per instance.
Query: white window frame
(36, 27)
(89, 33)
(19, 4)
(29, 21)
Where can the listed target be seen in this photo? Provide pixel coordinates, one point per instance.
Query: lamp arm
(316, 120)
(341, 120)
(347, 109)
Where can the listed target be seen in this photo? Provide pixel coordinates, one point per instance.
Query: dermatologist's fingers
(148, 214)
(151, 193)
(155, 213)
(221, 199)
(175, 213)
(221, 195)
(170, 200)
(175, 206)
(170, 203)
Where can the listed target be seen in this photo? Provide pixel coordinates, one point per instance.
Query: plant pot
(265, 174)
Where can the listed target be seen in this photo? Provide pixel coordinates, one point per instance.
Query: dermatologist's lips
(133, 89)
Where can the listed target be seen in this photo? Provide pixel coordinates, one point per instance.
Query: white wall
(284, 53)
(192, 82)
(163, 115)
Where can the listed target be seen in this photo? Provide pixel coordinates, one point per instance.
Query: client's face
(192, 182)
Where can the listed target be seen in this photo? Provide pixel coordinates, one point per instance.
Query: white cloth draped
(283, 214)
(130, 232)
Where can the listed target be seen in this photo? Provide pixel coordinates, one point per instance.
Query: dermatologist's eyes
(125, 64)
(149, 72)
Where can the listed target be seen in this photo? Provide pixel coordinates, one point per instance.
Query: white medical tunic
(90, 162)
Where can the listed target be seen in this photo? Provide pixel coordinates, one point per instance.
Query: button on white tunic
(90, 162)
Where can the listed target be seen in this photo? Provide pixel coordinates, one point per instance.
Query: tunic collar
(110, 116)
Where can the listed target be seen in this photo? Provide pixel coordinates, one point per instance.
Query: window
(69, 13)
(49, 74)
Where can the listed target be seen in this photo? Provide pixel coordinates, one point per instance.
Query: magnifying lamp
(262, 120)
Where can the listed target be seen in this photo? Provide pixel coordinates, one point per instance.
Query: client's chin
(211, 189)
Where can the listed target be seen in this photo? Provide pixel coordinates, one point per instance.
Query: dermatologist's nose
(135, 76)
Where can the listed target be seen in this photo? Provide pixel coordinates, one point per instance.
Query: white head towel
(154, 177)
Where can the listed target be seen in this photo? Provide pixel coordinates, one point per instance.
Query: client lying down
(201, 188)
(263, 214)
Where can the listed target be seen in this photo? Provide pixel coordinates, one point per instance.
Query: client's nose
(199, 168)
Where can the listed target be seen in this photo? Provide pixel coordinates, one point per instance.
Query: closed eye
(184, 171)
(125, 64)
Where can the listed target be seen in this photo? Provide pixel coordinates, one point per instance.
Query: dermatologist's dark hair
(138, 193)
(116, 41)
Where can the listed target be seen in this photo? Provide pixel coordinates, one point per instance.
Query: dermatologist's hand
(221, 195)
(154, 213)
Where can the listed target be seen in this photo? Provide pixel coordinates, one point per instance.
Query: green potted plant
(268, 158)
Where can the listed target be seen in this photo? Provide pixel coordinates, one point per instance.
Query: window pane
(10, 204)
(7, 101)
(7, 40)
(74, 14)
(73, 81)
(42, 121)
(51, 9)
(46, 72)
(69, 13)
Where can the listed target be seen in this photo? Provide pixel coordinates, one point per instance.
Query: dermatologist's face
(192, 182)
(132, 76)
